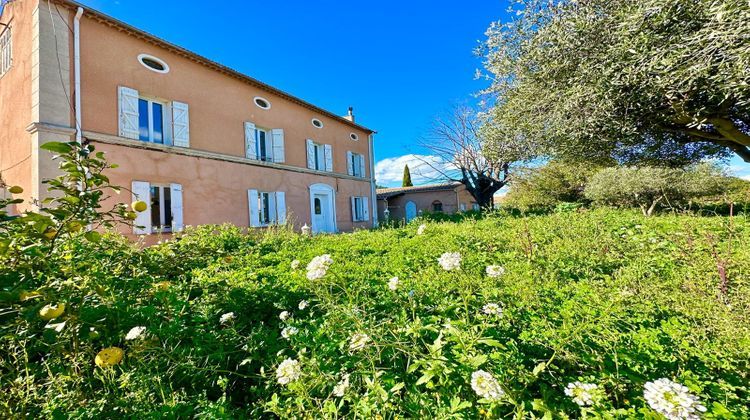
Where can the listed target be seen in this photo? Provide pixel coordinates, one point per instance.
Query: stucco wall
(451, 199)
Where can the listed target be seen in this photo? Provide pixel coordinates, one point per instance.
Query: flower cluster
(295, 264)
(393, 283)
(421, 229)
(284, 315)
(450, 261)
(340, 389)
(135, 333)
(494, 271)
(581, 393)
(288, 371)
(486, 386)
(318, 267)
(227, 318)
(672, 400)
(358, 341)
(303, 304)
(492, 309)
(288, 332)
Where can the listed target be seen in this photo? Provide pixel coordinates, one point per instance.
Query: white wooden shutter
(329, 157)
(176, 196)
(277, 134)
(349, 165)
(354, 209)
(252, 201)
(280, 207)
(128, 109)
(310, 154)
(365, 209)
(180, 124)
(142, 192)
(272, 208)
(250, 148)
(361, 161)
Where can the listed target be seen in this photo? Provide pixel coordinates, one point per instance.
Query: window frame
(357, 168)
(151, 101)
(359, 209)
(157, 60)
(6, 50)
(268, 143)
(161, 228)
(437, 206)
(320, 156)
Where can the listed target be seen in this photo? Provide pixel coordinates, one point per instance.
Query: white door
(322, 215)
(411, 211)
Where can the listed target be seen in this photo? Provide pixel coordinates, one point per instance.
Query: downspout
(373, 193)
(77, 71)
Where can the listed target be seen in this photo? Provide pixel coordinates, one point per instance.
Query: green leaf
(425, 378)
(93, 236)
(57, 147)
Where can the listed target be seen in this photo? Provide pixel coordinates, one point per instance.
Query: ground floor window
(437, 206)
(161, 208)
(266, 208)
(360, 209)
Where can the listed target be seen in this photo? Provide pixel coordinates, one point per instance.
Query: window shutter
(310, 154)
(349, 165)
(252, 201)
(329, 157)
(250, 141)
(142, 223)
(277, 134)
(177, 220)
(128, 99)
(354, 209)
(280, 207)
(272, 208)
(365, 209)
(180, 124)
(361, 162)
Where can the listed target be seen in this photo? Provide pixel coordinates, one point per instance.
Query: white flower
(494, 271)
(581, 393)
(340, 389)
(358, 341)
(303, 304)
(319, 266)
(421, 229)
(284, 315)
(295, 264)
(672, 400)
(288, 332)
(135, 333)
(450, 261)
(288, 371)
(227, 317)
(486, 386)
(393, 283)
(492, 309)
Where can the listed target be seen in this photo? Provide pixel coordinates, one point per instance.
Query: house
(406, 203)
(199, 142)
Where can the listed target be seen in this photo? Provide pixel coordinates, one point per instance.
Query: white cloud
(390, 171)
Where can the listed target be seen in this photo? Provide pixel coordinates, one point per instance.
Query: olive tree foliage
(652, 188)
(663, 82)
(462, 152)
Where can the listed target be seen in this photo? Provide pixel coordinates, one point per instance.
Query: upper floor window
(6, 51)
(264, 144)
(262, 102)
(354, 136)
(319, 156)
(151, 120)
(154, 64)
(437, 206)
(355, 164)
(317, 123)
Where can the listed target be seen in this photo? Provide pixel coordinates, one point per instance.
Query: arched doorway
(411, 211)
(322, 208)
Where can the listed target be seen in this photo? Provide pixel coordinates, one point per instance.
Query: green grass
(605, 297)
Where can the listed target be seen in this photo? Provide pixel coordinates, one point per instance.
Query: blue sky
(399, 63)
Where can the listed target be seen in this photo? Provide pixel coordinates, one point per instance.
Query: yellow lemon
(50, 233)
(50, 311)
(162, 285)
(15, 189)
(139, 206)
(131, 215)
(74, 227)
(109, 357)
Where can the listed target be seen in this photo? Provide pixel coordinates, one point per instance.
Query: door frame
(323, 189)
(406, 211)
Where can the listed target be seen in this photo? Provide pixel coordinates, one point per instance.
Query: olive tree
(643, 81)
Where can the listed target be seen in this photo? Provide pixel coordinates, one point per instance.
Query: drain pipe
(77, 70)
(373, 192)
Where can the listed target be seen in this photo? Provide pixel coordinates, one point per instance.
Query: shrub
(545, 187)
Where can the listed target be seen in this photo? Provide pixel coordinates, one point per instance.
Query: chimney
(350, 115)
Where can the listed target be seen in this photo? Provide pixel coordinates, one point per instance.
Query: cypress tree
(407, 177)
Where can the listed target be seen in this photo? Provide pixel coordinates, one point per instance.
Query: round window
(262, 102)
(317, 123)
(354, 136)
(152, 63)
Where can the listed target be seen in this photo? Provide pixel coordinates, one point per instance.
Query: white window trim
(255, 101)
(6, 50)
(314, 120)
(166, 120)
(354, 136)
(269, 144)
(157, 59)
(162, 208)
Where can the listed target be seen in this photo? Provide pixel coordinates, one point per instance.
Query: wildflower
(492, 309)
(288, 371)
(135, 333)
(450, 261)
(288, 332)
(582, 394)
(319, 266)
(295, 264)
(486, 386)
(421, 229)
(672, 400)
(494, 271)
(358, 341)
(393, 283)
(303, 304)
(227, 318)
(340, 389)
(109, 357)
(284, 315)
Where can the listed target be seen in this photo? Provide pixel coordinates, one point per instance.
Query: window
(318, 208)
(151, 120)
(475, 206)
(264, 145)
(161, 208)
(356, 164)
(437, 206)
(354, 136)
(266, 208)
(317, 123)
(319, 157)
(6, 51)
(262, 102)
(152, 63)
(360, 209)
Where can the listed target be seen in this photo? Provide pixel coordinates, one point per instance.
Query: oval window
(262, 102)
(354, 136)
(317, 123)
(154, 64)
